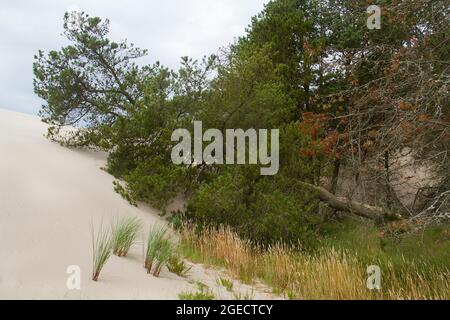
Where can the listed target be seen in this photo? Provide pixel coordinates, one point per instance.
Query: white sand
(48, 197)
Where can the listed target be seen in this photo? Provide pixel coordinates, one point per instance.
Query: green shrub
(264, 209)
(176, 219)
(154, 181)
(178, 266)
(267, 210)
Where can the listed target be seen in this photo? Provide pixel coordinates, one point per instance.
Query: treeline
(354, 107)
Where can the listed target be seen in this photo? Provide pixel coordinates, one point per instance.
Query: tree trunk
(334, 179)
(388, 189)
(359, 209)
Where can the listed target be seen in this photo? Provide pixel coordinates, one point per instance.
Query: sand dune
(48, 197)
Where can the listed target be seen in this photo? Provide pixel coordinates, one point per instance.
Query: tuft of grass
(101, 250)
(159, 250)
(330, 272)
(163, 256)
(227, 284)
(178, 266)
(221, 248)
(124, 233)
(203, 293)
(246, 296)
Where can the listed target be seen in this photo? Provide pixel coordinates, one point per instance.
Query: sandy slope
(48, 197)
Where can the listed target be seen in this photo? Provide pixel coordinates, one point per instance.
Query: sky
(169, 29)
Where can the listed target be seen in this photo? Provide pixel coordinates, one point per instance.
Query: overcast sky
(169, 29)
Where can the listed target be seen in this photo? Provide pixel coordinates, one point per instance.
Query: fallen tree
(357, 208)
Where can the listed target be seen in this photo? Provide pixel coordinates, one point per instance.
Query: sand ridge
(49, 196)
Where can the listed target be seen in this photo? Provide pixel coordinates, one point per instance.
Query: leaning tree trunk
(357, 208)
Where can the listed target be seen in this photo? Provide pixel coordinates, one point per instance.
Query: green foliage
(124, 234)
(68, 79)
(261, 209)
(431, 246)
(265, 209)
(159, 250)
(178, 266)
(202, 293)
(246, 296)
(101, 250)
(296, 56)
(220, 201)
(155, 182)
(283, 215)
(227, 284)
(176, 220)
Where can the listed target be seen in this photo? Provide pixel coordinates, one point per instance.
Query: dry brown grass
(327, 274)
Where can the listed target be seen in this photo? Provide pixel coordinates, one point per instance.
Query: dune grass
(227, 284)
(244, 296)
(124, 234)
(101, 250)
(178, 266)
(158, 251)
(203, 293)
(327, 273)
(162, 256)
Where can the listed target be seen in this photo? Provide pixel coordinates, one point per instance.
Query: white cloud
(168, 29)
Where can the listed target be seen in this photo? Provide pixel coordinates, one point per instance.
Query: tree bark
(388, 188)
(334, 179)
(357, 208)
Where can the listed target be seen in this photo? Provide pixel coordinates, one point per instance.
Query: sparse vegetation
(101, 250)
(178, 266)
(124, 233)
(245, 296)
(163, 255)
(159, 250)
(227, 284)
(203, 293)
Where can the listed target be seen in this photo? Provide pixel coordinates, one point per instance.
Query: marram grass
(124, 234)
(158, 251)
(101, 250)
